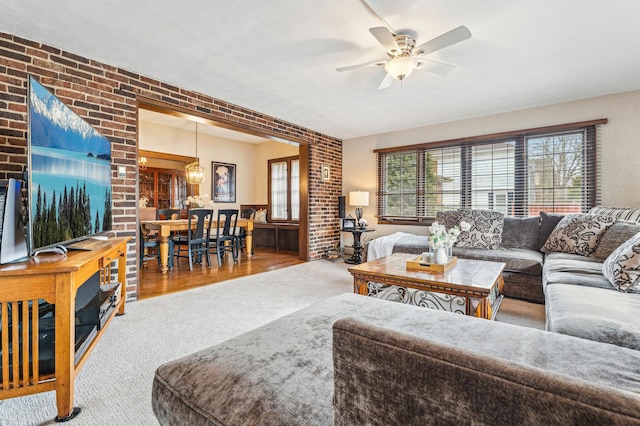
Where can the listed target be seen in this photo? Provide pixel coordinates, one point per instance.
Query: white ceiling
(279, 57)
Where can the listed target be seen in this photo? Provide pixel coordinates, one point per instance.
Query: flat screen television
(69, 165)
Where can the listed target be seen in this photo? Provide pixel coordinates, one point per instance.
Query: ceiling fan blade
(385, 38)
(439, 68)
(379, 15)
(365, 65)
(447, 39)
(387, 81)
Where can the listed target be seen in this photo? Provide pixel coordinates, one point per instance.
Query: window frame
(520, 196)
(289, 161)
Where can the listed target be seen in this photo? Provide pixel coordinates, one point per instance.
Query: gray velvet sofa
(353, 360)
(581, 302)
(520, 251)
(578, 299)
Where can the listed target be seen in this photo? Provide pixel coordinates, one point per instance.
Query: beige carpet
(114, 387)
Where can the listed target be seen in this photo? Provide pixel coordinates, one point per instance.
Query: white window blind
(518, 173)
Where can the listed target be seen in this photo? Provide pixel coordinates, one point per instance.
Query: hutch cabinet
(165, 188)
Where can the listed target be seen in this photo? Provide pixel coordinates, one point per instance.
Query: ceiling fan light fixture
(400, 68)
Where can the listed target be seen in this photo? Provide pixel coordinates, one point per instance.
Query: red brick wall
(107, 97)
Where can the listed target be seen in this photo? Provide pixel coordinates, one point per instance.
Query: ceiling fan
(404, 55)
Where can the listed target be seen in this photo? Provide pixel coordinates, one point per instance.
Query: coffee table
(472, 287)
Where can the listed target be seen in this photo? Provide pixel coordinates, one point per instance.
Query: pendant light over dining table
(195, 173)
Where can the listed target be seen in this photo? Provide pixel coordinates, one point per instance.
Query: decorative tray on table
(416, 264)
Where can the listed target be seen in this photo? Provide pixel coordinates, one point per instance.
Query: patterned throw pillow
(630, 215)
(260, 216)
(622, 267)
(448, 218)
(486, 227)
(577, 234)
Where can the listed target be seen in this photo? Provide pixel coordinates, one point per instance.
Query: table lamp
(359, 199)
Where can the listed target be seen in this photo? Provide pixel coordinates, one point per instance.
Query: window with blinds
(284, 189)
(520, 173)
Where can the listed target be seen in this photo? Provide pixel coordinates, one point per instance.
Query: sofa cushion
(603, 315)
(614, 237)
(556, 256)
(564, 268)
(386, 376)
(414, 244)
(631, 215)
(548, 222)
(516, 260)
(521, 232)
(577, 233)
(622, 267)
(486, 227)
(282, 372)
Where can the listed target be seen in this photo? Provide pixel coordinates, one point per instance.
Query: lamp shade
(359, 198)
(401, 67)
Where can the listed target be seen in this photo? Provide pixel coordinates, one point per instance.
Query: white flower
(142, 202)
(439, 236)
(198, 201)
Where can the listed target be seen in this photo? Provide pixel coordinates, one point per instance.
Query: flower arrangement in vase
(441, 240)
(197, 201)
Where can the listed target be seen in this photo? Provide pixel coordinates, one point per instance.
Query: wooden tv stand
(54, 278)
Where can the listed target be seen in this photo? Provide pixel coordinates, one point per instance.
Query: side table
(356, 259)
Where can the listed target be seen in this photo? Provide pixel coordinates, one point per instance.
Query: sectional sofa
(361, 360)
(579, 300)
(353, 360)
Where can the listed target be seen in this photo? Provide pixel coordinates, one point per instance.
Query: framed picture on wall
(326, 173)
(223, 182)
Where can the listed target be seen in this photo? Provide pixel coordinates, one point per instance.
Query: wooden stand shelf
(55, 279)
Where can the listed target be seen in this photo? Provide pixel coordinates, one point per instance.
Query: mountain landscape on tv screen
(70, 172)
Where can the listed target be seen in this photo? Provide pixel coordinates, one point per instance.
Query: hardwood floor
(153, 283)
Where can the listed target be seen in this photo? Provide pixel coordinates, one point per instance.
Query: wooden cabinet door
(165, 188)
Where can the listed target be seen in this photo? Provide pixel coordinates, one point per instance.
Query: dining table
(165, 228)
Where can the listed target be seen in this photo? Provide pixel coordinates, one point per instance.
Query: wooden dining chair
(226, 239)
(242, 232)
(167, 214)
(197, 242)
(148, 241)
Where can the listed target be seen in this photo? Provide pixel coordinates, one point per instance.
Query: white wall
(619, 159)
(263, 153)
(250, 159)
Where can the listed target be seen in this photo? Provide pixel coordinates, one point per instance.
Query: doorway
(165, 131)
